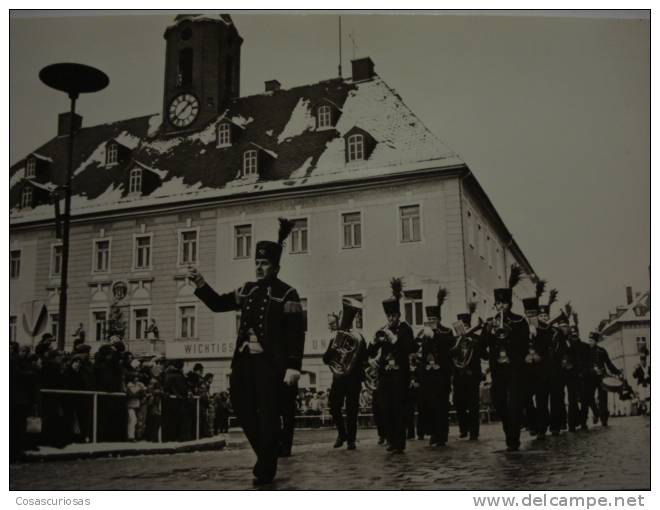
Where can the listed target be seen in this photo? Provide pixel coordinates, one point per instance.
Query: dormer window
(112, 154)
(324, 117)
(135, 181)
(224, 135)
(356, 147)
(26, 197)
(31, 168)
(250, 159)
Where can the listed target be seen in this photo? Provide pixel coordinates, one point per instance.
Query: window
(299, 236)
(31, 168)
(324, 116)
(15, 264)
(358, 322)
(352, 228)
(470, 229)
(413, 307)
(26, 197)
(641, 344)
(410, 224)
(54, 324)
(101, 256)
(135, 181)
(12, 328)
(100, 324)
(224, 135)
(355, 147)
(188, 247)
(243, 241)
(56, 260)
(249, 163)
(112, 154)
(187, 321)
(140, 323)
(142, 252)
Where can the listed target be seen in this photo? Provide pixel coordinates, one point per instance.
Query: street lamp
(74, 79)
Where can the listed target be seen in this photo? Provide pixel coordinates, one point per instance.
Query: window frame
(31, 168)
(112, 154)
(290, 238)
(14, 269)
(149, 266)
(399, 221)
(27, 197)
(224, 128)
(53, 247)
(244, 169)
(179, 321)
(417, 307)
(361, 313)
(323, 114)
(342, 226)
(132, 324)
(235, 241)
(135, 172)
(92, 321)
(349, 148)
(94, 253)
(180, 233)
(56, 323)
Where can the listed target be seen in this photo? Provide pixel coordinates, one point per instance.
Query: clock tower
(202, 70)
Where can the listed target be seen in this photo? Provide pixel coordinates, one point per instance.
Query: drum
(613, 384)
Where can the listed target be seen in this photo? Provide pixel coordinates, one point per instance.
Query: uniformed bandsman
(598, 365)
(268, 351)
(573, 366)
(506, 337)
(391, 347)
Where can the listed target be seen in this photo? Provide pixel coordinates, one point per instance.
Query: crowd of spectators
(141, 399)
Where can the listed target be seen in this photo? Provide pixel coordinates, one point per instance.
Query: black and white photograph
(330, 250)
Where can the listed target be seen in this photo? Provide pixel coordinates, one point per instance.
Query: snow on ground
(301, 120)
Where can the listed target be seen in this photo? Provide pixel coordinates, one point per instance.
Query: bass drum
(612, 384)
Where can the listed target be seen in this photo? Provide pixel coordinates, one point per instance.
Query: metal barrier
(95, 407)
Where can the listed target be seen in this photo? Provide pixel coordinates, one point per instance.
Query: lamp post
(74, 79)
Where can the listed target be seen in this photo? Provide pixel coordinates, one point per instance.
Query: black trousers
(466, 402)
(539, 395)
(592, 386)
(288, 396)
(558, 417)
(377, 410)
(255, 391)
(394, 392)
(414, 404)
(575, 390)
(509, 394)
(345, 390)
(434, 404)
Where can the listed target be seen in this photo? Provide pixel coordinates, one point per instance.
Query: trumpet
(503, 331)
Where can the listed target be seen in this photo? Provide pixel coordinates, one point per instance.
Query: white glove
(391, 336)
(291, 376)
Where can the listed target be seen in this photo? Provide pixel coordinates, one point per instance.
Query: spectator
(152, 330)
(135, 391)
(154, 404)
(23, 397)
(175, 388)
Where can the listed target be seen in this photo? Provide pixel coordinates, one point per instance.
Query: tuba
(375, 364)
(343, 352)
(463, 350)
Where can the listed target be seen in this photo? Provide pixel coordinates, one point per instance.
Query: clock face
(183, 110)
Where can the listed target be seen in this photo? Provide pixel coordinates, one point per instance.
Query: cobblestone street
(613, 458)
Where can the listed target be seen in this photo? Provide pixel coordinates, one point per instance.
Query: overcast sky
(551, 114)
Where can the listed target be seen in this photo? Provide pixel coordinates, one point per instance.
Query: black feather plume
(575, 319)
(442, 295)
(552, 297)
(514, 276)
(568, 309)
(540, 287)
(472, 307)
(286, 226)
(397, 287)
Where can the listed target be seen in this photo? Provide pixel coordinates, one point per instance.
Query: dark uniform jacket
(508, 353)
(395, 357)
(436, 354)
(542, 345)
(598, 361)
(271, 311)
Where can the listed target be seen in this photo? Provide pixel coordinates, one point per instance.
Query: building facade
(372, 192)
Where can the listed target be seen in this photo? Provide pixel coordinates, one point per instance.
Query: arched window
(111, 155)
(324, 116)
(185, 67)
(26, 197)
(355, 147)
(224, 135)
(135, 181)
(249, 163)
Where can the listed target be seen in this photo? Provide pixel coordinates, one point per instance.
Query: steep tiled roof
(628, 313)
(281, 123)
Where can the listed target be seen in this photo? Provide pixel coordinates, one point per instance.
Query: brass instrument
(343, 352)
(463, 350)
(503, 331)
(375, 364)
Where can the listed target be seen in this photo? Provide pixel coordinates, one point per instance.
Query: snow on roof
(16, 177)
(241, 121)
(160, 173)
(127, 140)
(42, 158)
(301, 120)
(154, 125)
(46, 186)
(269, 152)
(629, 314)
